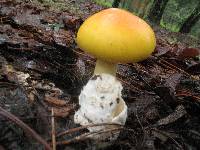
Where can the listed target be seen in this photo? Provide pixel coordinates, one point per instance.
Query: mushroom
(115, 35)
(112, 36)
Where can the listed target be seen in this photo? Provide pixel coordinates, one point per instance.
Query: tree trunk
(156, 10)
(174, 15)
(116, 3)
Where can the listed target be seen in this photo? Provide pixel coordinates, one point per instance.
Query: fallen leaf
(62, 111)
(188, 53)
(172, 81)
(177, 114)
(55, 101)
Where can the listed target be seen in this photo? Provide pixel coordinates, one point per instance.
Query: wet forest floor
(42, 68)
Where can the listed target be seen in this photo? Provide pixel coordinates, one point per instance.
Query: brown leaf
(161, 50)
(166, 94)
(177, 114)
(55, 101)
(72, 22)
(173, 81)
(62, 111)
(188, 53)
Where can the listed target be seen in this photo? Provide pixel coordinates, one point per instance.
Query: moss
(195, 30)
(176, 13)
(106, 3)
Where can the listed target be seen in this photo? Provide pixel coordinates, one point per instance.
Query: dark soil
(42, 68)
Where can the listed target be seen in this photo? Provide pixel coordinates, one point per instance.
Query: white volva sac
(101, 102)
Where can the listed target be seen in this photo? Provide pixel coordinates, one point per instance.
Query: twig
(53, 130)
(165, 134)
(136, 114)
(21, 49)
(197, 98)
(84, 127)
(129, 79)
(140, 123)
(139, 76)
(87, 136)
(173, 67)
(25, 127)
(131, 87)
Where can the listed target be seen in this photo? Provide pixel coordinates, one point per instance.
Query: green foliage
(173, 15)
(138, 7)
(176, 13)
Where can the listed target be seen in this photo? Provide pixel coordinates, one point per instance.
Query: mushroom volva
(113, 36)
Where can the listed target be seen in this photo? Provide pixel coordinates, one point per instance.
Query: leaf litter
(42, 72)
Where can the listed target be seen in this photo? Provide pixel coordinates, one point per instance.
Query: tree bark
(116, 3)
(156, 10)
(191, 21)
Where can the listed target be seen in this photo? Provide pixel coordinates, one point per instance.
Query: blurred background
(174, 15)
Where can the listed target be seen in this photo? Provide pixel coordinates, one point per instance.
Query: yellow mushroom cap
(116, 35)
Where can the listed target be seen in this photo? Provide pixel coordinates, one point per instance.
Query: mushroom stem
(105, 67)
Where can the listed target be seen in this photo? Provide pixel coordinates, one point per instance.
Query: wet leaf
(55, 101)
(194, 69)
(62, 111)
(167, 95)
(177, 114)
(173, 81)
(188, 53)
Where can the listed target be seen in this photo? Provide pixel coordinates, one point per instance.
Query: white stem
(105, 67)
